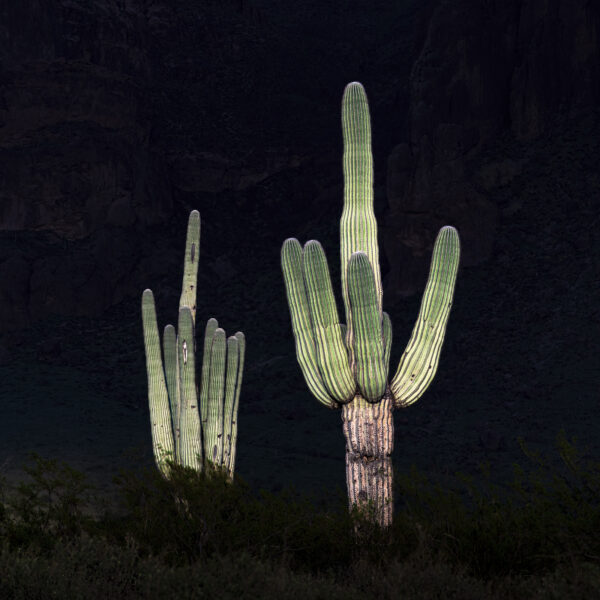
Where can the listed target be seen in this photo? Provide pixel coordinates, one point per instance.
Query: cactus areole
(185, 431)
(347, 365)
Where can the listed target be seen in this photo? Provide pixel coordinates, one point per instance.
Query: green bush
(199, 533)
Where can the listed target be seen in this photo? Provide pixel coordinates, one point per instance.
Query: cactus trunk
(369, 431)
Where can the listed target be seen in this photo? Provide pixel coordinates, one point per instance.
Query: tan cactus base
(369, 431)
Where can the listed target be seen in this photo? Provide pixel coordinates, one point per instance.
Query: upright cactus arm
(419, 362)
(386, 326)
(236, 346)
(213, 434)
(158, 398)
(236, 401)
(332, 356)
(190, 264)
(369, 350)
(358, 227)
(173, 387)
(209, 331)
(306, 351)
(189, 420)
(189, 443)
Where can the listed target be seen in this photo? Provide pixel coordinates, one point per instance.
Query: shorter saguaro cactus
(181, 429)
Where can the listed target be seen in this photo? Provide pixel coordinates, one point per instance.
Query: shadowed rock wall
(486, 71)
(116, 114)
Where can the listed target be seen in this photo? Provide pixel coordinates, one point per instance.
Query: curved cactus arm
(190, 264)
(419, 362)
(160, 416)
(332, 357)
(234, 412)
(291, 265)
(358, 226)
(189, 420)
(368, 348)
(172, 376)
(213, 434)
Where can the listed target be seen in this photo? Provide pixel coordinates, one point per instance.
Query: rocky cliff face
(486, 71)
(90, 152)
(115, 113)
(75, 136)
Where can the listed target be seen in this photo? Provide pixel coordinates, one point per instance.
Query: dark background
(119, 117)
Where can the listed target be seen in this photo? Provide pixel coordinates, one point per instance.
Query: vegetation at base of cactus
(185, 432)
(346, 365)
(206, 536)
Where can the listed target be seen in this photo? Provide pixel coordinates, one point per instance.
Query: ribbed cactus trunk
(369, 432)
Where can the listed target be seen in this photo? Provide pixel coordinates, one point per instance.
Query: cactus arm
(291, 264)
(420, 360)
(209, 331)
(358, 227)
(190, 264)
(172, 375)
(189, 421)
(160, 416)
(386, 328)
(233, 357)
(370, 371)
(213, 434)
(332, 357)
(234, 413)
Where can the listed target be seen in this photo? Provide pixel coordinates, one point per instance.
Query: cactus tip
(448, 228)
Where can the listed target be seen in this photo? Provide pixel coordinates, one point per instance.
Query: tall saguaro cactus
(347, 365)
(181, 430)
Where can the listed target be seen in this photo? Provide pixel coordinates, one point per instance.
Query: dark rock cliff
(88, 147)
(118, 117)
(486, 70)
(114, 113)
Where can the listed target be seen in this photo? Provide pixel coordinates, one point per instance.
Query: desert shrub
(543, 537)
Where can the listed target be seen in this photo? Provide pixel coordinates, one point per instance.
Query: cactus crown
(341, 361)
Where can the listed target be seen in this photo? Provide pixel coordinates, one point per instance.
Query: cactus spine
(179, 431)
(347, 365)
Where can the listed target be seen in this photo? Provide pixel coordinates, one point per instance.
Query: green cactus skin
(181, 428)
(346, 366)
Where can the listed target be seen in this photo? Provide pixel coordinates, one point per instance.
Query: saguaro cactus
(180, 430)
(347, 365)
